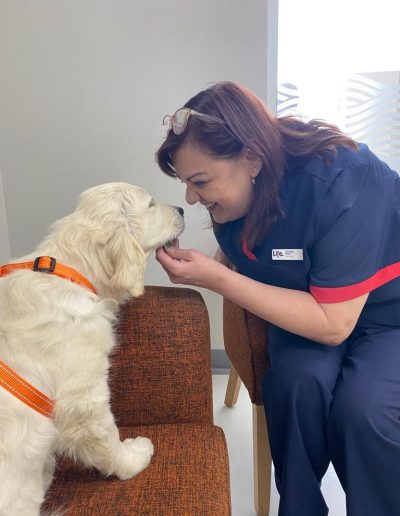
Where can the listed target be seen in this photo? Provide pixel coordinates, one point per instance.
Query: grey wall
(84, 85)
(4, 240)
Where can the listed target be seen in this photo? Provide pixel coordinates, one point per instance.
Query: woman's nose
(191, 196)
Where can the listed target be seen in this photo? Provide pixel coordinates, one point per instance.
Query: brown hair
(250, 125)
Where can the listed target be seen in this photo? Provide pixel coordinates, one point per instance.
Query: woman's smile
(207, 177)
(209, 206)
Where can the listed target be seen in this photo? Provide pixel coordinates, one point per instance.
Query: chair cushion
(188, 475)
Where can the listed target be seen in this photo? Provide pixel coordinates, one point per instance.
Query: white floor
(237, 425)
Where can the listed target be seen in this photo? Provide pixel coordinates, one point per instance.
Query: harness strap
(24, 391)
(9, 379)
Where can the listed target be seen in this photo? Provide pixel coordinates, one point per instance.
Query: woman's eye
(199, 184)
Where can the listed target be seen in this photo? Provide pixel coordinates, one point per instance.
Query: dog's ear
(127, 261)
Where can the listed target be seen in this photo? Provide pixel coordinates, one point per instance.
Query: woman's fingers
(179, 254)
(187, 266)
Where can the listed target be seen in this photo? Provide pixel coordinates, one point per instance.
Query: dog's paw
(135, 457)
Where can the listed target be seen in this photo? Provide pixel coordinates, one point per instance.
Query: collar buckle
(46, 270)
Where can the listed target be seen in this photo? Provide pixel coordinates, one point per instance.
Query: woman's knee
(298, 381)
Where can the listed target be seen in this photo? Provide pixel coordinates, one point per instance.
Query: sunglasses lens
(179, 121)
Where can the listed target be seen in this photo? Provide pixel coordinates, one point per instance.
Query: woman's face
(223, 186)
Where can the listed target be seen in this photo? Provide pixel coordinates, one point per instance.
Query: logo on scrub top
(287, 254)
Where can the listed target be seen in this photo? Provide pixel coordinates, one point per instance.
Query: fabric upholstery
(164, 356)
(161, 388)
(188, 476)
(245, 339)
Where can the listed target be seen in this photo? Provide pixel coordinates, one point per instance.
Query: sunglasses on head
(179, 120)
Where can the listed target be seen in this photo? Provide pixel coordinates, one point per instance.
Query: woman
(311, 222)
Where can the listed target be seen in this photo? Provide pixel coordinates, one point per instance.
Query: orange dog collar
(9, 379)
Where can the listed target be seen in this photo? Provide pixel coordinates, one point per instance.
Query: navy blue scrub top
(340, 238)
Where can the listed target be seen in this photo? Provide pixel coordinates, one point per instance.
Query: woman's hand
(190, 267)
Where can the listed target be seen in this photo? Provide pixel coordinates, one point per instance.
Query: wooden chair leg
(232, 390)
(262, 462)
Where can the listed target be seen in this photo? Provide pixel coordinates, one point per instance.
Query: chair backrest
(246, 339)
(161, 370)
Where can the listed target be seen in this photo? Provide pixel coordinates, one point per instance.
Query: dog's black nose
(180, 210)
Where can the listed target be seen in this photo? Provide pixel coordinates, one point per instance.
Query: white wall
(4, 240)
(84, 85)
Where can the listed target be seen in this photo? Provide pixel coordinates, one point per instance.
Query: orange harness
(9, 379)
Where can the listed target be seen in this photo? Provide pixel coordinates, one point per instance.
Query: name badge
(287, 254)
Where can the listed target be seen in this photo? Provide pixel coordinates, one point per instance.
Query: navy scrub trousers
(338, 404)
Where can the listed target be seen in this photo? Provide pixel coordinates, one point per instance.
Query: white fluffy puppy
(58, 335)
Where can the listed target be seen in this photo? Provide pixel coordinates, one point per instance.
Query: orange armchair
(161, 388)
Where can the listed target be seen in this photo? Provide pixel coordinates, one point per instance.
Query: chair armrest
(245, 339)
(161, 371)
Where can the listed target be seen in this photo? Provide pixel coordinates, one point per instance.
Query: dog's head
(121, 225)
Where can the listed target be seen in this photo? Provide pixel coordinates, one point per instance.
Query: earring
(253, 180)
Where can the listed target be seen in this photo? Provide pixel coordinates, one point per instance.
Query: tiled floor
(237, 425)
